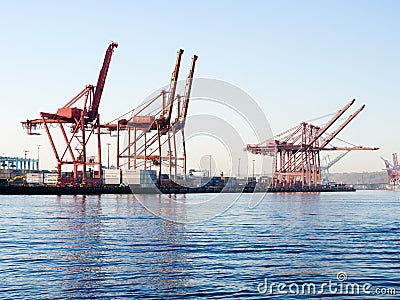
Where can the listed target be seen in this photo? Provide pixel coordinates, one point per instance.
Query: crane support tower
(78, 126)
(155, 141)
(296, 152)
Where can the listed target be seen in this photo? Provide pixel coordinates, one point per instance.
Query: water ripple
(111, 247)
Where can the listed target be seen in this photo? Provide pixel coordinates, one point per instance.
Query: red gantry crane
(78, 126)
(393, 171)
(154, 129)
(296, 152)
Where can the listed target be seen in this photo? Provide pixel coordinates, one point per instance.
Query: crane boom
(174, 80)
(333, 162)
(188, 88)
(322, 130)
(387, 164)
(93, 110)
(341, 127)
(73, 120)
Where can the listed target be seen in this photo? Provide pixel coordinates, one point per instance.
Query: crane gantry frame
(84, 124)
(393, 170)
(296, 152)
(154, 141)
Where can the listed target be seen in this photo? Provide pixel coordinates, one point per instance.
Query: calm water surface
(111, 247)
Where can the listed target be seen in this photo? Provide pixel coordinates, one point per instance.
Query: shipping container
(143, 177)
(112, 177)
(148, 177)
(50, 178)
(34, 178)
(130, 176)
(111, 173)
(142, 119)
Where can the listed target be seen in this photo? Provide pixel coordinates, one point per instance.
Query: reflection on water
(188, 209)
(115, 246)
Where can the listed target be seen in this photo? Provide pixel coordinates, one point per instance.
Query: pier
(55, 190)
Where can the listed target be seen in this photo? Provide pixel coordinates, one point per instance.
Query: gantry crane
(154, 129)
(393, 170)
(179, 124)
(325, 169)
(296, 152)
(78, 127)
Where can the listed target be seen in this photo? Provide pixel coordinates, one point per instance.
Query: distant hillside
(360, 178)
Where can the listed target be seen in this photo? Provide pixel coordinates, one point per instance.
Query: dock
(55, 190)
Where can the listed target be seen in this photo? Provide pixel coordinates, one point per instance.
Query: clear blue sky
(298, 59)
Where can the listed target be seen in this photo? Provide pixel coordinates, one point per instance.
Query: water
(111, 247)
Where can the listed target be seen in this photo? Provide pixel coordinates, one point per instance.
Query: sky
(297, 59)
